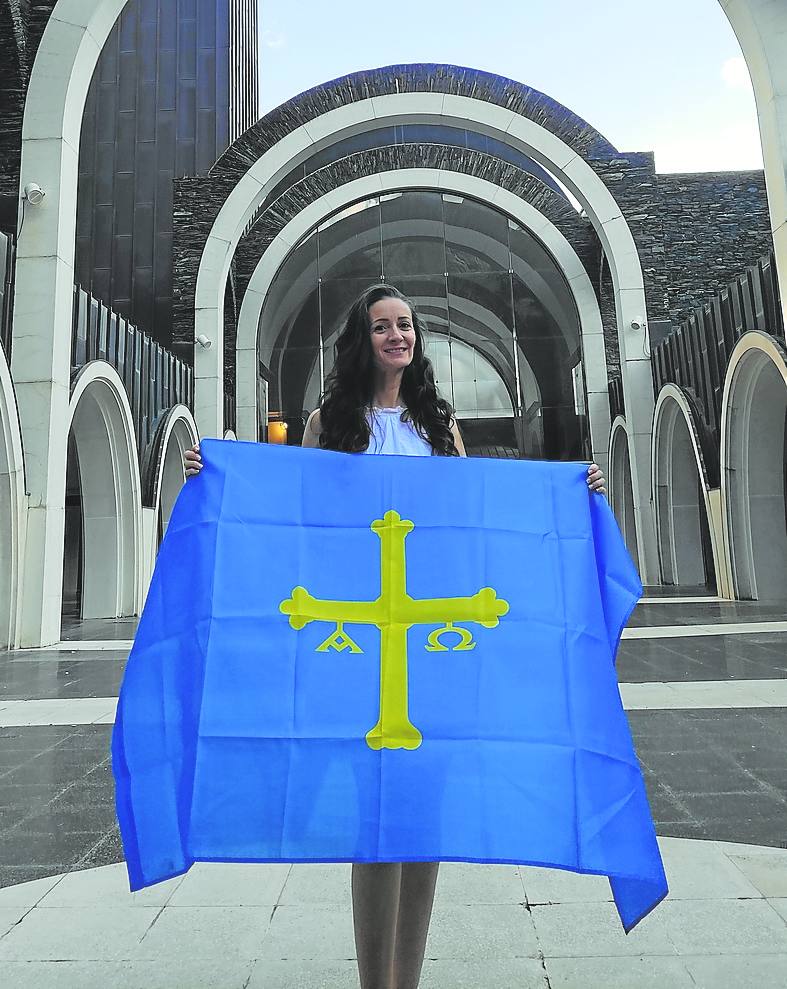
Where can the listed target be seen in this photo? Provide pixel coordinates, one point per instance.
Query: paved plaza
(705, 683)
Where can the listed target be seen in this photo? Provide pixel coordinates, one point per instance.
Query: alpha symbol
(394, 612)
(339, 640)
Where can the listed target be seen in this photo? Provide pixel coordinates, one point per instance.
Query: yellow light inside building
(277, 432)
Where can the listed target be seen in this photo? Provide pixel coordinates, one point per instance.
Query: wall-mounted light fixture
(203, 341)
(33, 193)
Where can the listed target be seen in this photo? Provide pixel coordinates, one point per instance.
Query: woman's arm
(459, 442)
(311, 435)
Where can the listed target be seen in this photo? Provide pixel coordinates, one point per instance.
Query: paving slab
(767, 873)
(309, 933)
(224, 973)
(481, 931)
(95, 933)
(738, 971)
(575, 930)
(724, 927)
(468, 883)
(638, 972)
(298, 974)
(317, 883)
(216, 884)
(206, 932)
(505, 973)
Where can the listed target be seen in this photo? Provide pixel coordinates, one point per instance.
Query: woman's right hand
(192, 461)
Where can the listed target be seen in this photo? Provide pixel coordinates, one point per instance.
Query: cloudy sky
(665, 76)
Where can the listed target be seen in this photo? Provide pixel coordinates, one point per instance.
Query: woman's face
(392, 333)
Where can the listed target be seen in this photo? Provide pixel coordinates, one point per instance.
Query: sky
(652, 75)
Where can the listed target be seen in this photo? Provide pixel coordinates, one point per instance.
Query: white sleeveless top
(391, 435)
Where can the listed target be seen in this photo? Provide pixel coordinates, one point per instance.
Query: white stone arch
(176, 433)
(457, 183)
(620, 485)
(761, 29)
(753, 498)
(12, 511)
(682, 496)
(100, 420)
(44, 282)
(519, 132)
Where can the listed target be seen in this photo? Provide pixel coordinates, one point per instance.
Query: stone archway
(620, 487)
(12, 514)
(687, 551)
(176, 433)
(266, 161)
(101, 427)
(753, 457)
(447, 182)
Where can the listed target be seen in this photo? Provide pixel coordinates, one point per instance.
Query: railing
(154, 379)
(616, 406)
(696, 354)
(7, 254)
(229, 408)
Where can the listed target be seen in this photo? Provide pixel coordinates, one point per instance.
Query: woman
(381, 398)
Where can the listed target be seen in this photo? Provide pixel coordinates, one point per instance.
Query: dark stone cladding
(22, 24)
(577, 231)
(714, 225)
(631, 179)
(422, 78)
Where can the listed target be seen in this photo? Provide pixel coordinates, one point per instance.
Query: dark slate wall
(425, 78)
(632, 180)
(22, 23)
(714, 225)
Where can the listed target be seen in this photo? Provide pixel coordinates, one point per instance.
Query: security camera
(33, 193)
(203, 341)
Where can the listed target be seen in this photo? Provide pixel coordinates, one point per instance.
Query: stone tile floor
(724, 926)
(715, 765)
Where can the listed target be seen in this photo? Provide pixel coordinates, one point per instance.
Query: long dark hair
(349, 388)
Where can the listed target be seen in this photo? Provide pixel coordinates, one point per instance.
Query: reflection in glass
(501, 326)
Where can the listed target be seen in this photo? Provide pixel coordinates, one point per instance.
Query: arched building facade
(554, 215)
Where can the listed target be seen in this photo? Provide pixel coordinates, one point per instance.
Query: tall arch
(689, 553)
(761, 29)
(520, 132)
(12, 510)
(164, 471)
(44, 282)
(450, 182)
(101, 425)
(620, 485)
(753, 457)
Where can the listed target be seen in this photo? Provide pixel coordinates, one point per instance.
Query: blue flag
(383, 658)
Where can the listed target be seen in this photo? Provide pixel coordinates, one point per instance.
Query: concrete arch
(44, 285)
(164, 471)
(545, 147)
(753, 488)
(440, 180)
(761, 29)
(100, 420)
(686, 509)
(620, 485)
(12, 511)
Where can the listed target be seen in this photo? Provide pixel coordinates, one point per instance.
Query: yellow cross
(393, 612)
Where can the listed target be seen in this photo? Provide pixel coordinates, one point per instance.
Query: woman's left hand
(596, 480)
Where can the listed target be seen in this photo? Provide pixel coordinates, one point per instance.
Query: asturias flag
(360, 658)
